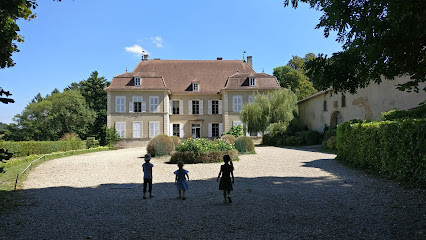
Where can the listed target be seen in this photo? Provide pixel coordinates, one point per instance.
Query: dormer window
(252, 82)
(195, 86)
(137, 81)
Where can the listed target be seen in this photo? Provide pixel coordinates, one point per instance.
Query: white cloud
(137, 50)
(158, 41)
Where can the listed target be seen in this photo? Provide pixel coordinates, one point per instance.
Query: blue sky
(69, 40)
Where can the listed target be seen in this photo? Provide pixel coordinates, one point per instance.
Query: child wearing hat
(147, 175)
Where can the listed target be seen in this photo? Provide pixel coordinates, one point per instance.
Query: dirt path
(279, 194)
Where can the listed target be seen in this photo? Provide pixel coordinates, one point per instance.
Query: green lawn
(9, 198)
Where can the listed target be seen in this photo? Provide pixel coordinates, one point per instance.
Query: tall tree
(275, 108)
(92, 89)
(51, 118)
(379, 38)
(293, 76)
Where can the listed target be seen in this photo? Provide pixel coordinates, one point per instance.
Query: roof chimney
(250, 61)
(219, 58)
(145, 57)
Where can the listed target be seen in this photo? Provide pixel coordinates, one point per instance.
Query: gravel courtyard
(279, 193)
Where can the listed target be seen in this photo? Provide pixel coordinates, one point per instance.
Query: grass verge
(9, 198)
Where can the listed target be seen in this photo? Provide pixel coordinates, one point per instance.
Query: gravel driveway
(279, 193)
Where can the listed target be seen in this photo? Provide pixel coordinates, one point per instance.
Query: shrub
(160, 145)
(417, 112)
(228, 137)
(292, 141)
(244, 144)
(394, 149)
(204, 145)
(72, 136)
(235, 131)
(176, 140)
(111, 136)
(91, 142)
(330, 143)
(26, 148)
(310, 137)
(203, 157)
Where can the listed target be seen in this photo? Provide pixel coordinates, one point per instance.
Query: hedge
(417, 112)
(26, 148)
(244, 144)
(394, 149)
(202, 157)
(160, 145)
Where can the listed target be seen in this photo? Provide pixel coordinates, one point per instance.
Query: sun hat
(148, 156)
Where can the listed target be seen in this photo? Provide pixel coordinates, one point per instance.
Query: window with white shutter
(154, 129)
(153, 104)
(119, 104)
(137, 129)
(238, 103)
(120, 127)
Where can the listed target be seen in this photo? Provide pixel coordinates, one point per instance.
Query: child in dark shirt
(147, 175)
(225, 184)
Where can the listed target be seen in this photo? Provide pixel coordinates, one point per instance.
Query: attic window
(195, 86)
(252, 82)
(137, 81)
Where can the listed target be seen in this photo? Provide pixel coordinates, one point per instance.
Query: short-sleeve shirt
(181, 174)
(147, 169)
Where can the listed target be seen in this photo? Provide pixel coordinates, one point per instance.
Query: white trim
(139, 80)
(131, 107)
(181, 128)
(170, 107)
(220, 107)
(220, 129)
(171, 129)
(210, 130)
(143, 107)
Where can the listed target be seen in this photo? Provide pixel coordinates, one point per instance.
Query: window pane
(195, 107)
(215, 107)
(175, 107)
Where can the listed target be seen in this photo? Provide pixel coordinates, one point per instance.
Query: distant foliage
(244, 144)
(417, 112)
(160, 145)
(395, 149)
(70, 137)
(310, 137)
(26, 148)
(203, 157)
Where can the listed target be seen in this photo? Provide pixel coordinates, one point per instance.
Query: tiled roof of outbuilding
(178, 76)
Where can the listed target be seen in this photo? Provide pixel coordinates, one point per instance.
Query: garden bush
(91, 142)
(244, 144)
(395, 149)
(176, 140)
(235, 131)
(417, 112)
(202, 150)
(72, 136)
(111, 137)
(26, 148)
(160, 145)
(330, 143)
(309, 137)
(203, 157)
(228, 137)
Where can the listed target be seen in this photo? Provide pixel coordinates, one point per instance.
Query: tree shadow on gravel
(262, 208)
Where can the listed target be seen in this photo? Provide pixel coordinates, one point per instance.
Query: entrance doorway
(336, 119)
(196, 130)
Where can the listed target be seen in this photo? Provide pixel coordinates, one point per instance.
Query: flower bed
(203, 151)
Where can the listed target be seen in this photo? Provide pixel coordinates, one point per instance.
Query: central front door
(196, 131)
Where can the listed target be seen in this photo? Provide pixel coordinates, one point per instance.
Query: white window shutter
(131, 108)
(190, 107)
(234, 108)
(171, 129)
(220, 129)
(151, 129)
(201, 107)
(220, 106)
(143, 106)
(210, 130)
(181, 134)
(170, 107)
(210, 107)
(180, 106)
